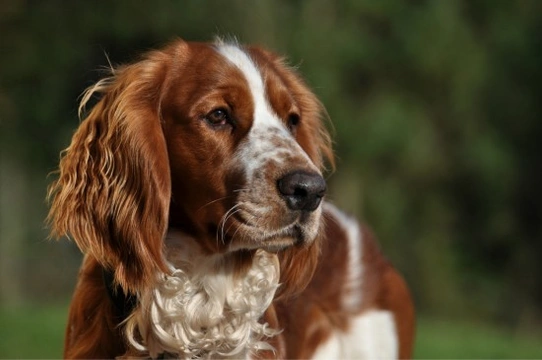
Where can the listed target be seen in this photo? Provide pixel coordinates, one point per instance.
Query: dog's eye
(218, 117)
(293, 122)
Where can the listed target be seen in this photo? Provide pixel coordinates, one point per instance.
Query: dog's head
(223, 142)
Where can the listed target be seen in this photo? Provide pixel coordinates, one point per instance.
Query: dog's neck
(210, 305)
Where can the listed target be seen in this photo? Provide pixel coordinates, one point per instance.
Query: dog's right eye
(218, 118)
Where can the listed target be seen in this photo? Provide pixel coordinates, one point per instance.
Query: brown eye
(218, 117)
(293, 122)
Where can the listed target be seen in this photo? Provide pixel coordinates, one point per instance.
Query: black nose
(302, 190)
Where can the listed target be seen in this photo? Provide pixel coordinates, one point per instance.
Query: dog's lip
(272, 241)
(242, 220)
(277, 245)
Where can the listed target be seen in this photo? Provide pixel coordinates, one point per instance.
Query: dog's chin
(281, 243)
(295, 235)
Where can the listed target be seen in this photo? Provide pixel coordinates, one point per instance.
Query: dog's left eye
(218, 117)
(293, 122)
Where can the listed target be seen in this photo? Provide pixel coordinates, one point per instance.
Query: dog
(194, 189)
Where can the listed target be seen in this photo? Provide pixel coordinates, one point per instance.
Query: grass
(32, 332)
(37, 332)
(460, 339)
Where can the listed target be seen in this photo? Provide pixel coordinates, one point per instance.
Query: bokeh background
(436, 108)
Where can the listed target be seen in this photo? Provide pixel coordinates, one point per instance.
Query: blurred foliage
(436, 110)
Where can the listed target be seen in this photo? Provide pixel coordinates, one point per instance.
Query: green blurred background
(437, 114)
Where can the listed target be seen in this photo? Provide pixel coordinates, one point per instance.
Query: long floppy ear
(113, 190)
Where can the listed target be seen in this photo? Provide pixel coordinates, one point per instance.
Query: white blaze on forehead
(263, 115)
(268, 137)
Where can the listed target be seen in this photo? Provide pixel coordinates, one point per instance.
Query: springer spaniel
(194, 188)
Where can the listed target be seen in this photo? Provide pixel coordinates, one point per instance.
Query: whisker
(240, 190)
(222, 222)
(228, 215)
(212, 202)
(220, 198)
(228, 229)
(236, 231)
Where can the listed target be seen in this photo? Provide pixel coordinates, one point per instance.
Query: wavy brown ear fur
(113, 190)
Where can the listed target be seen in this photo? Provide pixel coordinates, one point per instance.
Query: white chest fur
(206, 308)
(372, 335)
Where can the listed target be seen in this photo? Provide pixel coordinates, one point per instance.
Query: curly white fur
(206, 308)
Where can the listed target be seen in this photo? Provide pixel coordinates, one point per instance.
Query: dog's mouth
(248, 236)
(295, 237)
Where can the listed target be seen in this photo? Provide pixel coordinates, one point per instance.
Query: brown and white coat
(196, 183)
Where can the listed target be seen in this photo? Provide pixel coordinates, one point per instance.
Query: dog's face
(244, 143)
(221, 142)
